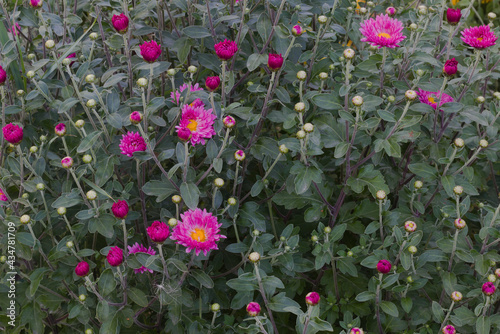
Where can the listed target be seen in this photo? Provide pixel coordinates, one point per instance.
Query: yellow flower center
(480, 39)
(192, 125)
(384, 34)
(431, 99)
(199, 235)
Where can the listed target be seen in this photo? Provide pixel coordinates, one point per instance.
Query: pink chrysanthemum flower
(480, 37)
(449, 330)
(136, 248)
(176, 96)
(3, 197)
(382, 31)
(199, 121)
(132, 142)
(431, 98)
(198, 231)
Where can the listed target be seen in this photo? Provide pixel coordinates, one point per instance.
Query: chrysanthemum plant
(250, 167)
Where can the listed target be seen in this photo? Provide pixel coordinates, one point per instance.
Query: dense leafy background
(333, 184)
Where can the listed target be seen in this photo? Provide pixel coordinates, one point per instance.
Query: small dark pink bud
(120, 209)
(453, 16)
(253, 309)
(488, 288)
(212, 83)
(135, 117)
(184, 134)
(67, 162)
(82, 269)
(226, 50)
(384, 266)
(150, 51)
(312, 298)
(120, 23)
(3, 75)
(274, 62)
(450, 67)
(391, 11)
(115, 256)
(13, 133)
(60, 129)
(297, 30)
(158, 231)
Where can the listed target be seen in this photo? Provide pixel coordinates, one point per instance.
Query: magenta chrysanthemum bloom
(13, 133)
(199, 121)
(356, 330)
(3, 197)
(384, 266)
(136, 248)
(120, 209)
(480, 37)
(115, 256)
(82, 269)
(120, 23)
(135, 117)
(453, 16)
(225, 50)
(275, 61)
(488, 288)
(150, 51)
(382, 31)
(198, 230)
(158, 231)
(449, 330)
(60, 129)
(176, 96)
(36, 3)
(312, 298)
(431, 98)
(253, 309)
(15, 28)
(132, 142)
(450, 67)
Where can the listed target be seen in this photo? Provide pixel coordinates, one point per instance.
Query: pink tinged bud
(120, 209)
(13, 133)
(71, 56)
(497, 272)
(450, 67)
(36, 3)
(150, 51)
(229, 122)
(356, 330)
(488, 288)
(120, 23)
(460, 223)
(158, 232)
(297, 30)
(410, 226)
(212, 83)
(67, 162)
(239, 155)
(135, 117)
(449, 330)
(274, 62)
(253, 309)
(453, 16)
(60, 129)
(115, 256)
(384, 266)
(312, 298)
(391, 11)
(82, 269)
(3, 76)
(184, 134)
(225, 50)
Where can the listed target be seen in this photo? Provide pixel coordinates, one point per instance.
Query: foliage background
(335, 187)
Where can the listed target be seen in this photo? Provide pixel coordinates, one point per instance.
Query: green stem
(455, 239)
(451, 160)
(186, 161)
(223, 87)
(71, 231)
(468, 161)
(263, 294)
(381, 220)
(272, 166)
(236, 176)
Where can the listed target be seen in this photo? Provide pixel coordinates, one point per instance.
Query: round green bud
(91, 195)
(91, 103)
(314, 238)
(50, 44)
(231, 201)
(87, 158)
(254, 257)
(192, 69)
(142, 82)
(176, 199)
(33, 149)
(93, 36)
(61, 211)
(172, 222)
(171, 72)
(20, 93)
(40, 186)
(25, 219)
(82, 297)
(30, 74)
(70, 244)
(218, 182)
(90, 78)
(215, 307)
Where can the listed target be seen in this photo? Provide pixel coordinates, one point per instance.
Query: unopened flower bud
(350, 9)
(176, 199)
(322, 19)
(496, 95)
(370, 4)
(420, 73)
(67, 162)
(283, 149)
(458, 190)
(87, 158)
(229, 122)
(422, 10)
(67, 61)
(492, 16)
(357, 101)
(172, 222)
(459, 223)
(33, 149)
(300, 107)
(231, 201)
(410, 226)
(61, 211)
(135, 117)
(331, 67)
(31, 56)
(349, 53)
(381, 195)
(192, 69)
(327, 229)
(413, 27)
(418, 184)
(215, 307)
(40, 186)
(308, 127)
(142, 82)
(20, 93)
(50, 44)
(350, 253)
(483, 143)
(82, 297)
(254, 257)
(93, 36)
(80, 123)
(391, 98)
(410, 95)
(480, 99)
(456, 296)
(497, 272)
(30, 74)
(409, 279)
(301, 75)
(70, 244)
(171, 72)
(89, 331)
(301, 134)
(256, 232)
(25, 219)
(323, 76)
(314, 238)
(363, 10)
(218, 182)
(492, 278)
(239, 155)
(459, 142)
(91, 103)
(412, 249)
(3, 259)
(91, 195)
